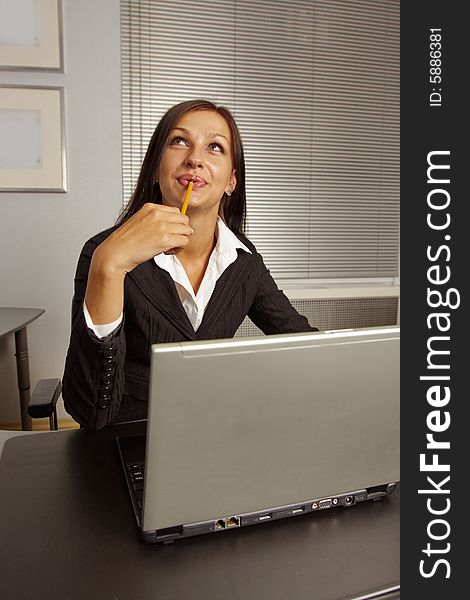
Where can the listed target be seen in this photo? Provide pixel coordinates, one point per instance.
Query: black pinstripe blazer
(106, 380)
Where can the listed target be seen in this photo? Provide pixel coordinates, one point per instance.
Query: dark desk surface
(67, 530)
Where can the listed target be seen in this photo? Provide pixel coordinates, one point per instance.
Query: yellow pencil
(186, 198)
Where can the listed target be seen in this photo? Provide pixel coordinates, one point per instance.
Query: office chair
(44, 398)
(43, 401)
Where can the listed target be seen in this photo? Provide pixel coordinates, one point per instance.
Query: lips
(198, 182)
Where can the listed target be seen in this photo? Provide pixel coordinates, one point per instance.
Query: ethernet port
(220, 524)
(232, 522)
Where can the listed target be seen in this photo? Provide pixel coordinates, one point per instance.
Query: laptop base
(132, 452)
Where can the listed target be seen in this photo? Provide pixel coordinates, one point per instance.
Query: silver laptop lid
(236, 426)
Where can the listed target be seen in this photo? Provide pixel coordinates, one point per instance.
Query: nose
(194, 158)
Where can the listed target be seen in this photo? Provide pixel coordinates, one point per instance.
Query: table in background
(15, 320)
(67, 530)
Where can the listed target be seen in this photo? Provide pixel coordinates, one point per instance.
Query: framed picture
(31, 35)
(32, 139)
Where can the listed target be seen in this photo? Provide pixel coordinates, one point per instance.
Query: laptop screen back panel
(242, 426)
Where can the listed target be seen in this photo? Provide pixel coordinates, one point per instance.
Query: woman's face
(198, 149)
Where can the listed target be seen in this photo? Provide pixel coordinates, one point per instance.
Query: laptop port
(220, 524)
(232, 522)
(325, 503)
(376, 490)
(349, 500)
(265, 517)
(297, 511)
(169, 532)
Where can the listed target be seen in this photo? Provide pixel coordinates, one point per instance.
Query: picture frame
(31, 35)
(32, 139)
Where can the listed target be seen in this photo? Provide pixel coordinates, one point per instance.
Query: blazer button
(110, 353)
(103, 404)
(108, 366)
(107, 380)
(105, 392)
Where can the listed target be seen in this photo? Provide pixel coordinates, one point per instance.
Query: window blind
(314, 87)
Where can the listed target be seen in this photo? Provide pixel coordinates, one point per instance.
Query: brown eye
(177, 141)
(217, 147)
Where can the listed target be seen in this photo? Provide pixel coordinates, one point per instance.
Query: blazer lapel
(160, 290)
(230, 280)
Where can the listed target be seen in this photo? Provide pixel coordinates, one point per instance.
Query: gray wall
(41, 233)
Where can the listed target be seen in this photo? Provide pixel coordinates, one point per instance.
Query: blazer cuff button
(107, 380)
(104, 394)
(108, 366)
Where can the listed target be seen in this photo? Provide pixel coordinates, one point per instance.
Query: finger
(170, 216)
(180, 229)
(175, 241)
(173, 251)
(164, 230)
(161, 207)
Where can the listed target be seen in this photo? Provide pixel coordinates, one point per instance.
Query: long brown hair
(232, 208)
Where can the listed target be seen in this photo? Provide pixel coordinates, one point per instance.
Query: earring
(228, 191)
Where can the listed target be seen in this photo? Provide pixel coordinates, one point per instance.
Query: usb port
(297, 511)
(265, 517)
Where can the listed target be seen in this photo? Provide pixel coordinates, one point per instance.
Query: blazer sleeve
(93, 380)
(271, 310)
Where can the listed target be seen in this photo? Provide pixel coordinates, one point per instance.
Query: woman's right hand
(154, 229)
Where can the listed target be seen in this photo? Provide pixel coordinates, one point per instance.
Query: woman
(161, 276)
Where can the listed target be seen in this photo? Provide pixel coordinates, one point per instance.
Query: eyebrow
(211, 135)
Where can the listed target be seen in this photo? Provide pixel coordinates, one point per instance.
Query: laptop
(244, 432)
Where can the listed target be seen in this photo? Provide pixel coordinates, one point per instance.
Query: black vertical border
(425, 129)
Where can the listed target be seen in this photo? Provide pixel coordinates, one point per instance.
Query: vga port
(326, 503)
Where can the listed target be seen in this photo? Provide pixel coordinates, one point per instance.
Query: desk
(67, 530)
(15, 320)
